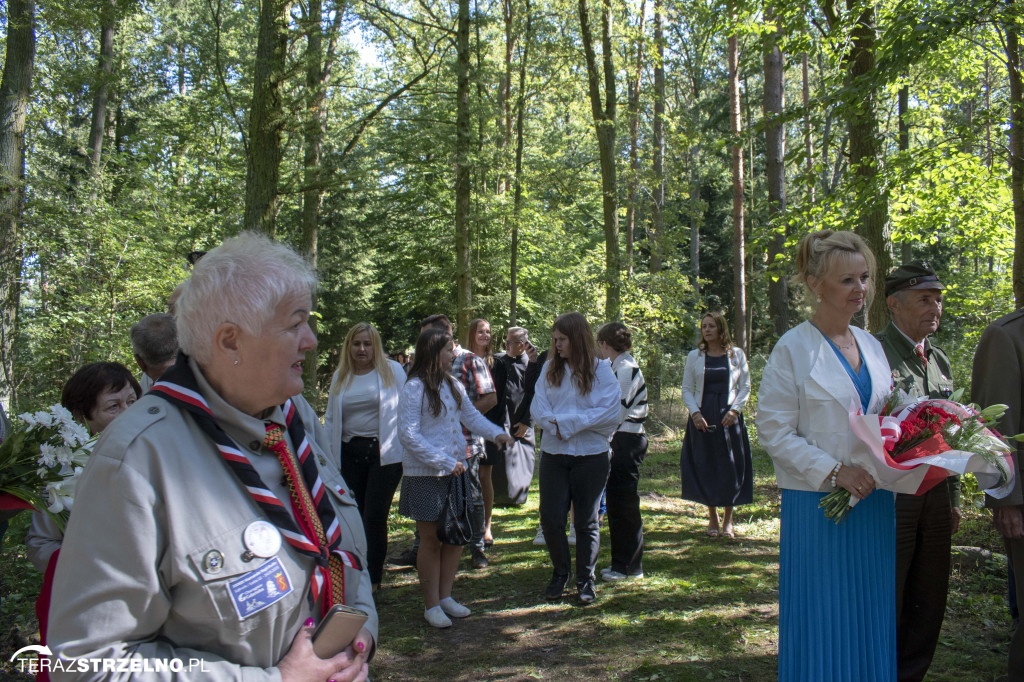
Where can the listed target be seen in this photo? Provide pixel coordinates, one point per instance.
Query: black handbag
(455, 525)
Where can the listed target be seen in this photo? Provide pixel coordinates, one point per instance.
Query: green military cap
(917, 274)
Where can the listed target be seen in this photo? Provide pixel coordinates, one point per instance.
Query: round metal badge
(262, 539)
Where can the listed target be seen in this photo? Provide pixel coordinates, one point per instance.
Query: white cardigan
(693, 380)
(805, 401)
(390, 447)
(433, 444)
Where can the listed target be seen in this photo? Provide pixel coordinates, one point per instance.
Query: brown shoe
(479, 559)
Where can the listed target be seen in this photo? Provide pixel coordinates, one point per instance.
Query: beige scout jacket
(133, 577)
(804, 404)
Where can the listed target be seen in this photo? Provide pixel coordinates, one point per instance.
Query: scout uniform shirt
(908, 373)
(155, 565)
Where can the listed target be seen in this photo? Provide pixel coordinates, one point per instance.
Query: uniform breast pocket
(242, 591)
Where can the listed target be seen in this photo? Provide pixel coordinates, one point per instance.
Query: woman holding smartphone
(577, 405)
(715, 463)
(432, 410)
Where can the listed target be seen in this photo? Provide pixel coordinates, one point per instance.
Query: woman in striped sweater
(629, 447)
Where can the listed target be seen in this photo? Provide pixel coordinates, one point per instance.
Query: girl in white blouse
(577, 405)
(362, 420)
(432, 411)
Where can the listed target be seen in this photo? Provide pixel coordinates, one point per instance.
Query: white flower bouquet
(40, 461)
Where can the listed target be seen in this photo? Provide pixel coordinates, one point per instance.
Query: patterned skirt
(423, 497)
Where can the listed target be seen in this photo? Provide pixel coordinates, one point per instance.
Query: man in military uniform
(924, 523)
(998, 377)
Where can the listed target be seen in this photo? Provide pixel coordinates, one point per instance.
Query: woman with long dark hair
(577, 405)
(432, 411)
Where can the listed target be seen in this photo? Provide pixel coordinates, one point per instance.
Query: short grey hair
(155, 339)
(242, 281)
(519, 333)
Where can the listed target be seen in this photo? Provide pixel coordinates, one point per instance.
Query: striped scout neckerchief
(309, 501)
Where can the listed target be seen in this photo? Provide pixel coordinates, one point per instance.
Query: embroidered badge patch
(260, 588)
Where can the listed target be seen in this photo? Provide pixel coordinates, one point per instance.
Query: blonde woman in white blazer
(818, 373)
(715, 466)
(362, 420)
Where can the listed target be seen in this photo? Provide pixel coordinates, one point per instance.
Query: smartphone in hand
(337, 630)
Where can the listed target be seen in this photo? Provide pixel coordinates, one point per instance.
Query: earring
(237, 360)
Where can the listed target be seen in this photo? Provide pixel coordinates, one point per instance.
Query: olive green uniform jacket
(935, 381)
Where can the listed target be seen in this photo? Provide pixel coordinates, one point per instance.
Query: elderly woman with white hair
(210, 529)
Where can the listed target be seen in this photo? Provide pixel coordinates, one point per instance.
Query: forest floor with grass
(707, 609)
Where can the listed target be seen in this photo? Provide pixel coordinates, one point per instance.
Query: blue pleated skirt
(837, 591)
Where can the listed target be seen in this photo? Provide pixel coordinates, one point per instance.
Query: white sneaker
(436, 617)
(539, 540)
(572, 534)
(454, 608)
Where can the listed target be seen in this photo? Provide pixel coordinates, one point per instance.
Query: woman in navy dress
(715, 464)
(837, 582)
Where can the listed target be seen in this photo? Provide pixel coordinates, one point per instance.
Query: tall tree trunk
(656, 237)
(633, 89)
(517, 204)
(808, 140)
(696, 213)
(504, 135)
(14, 91)
(463, 171)
(903, 102)
(316, 127)
(266, 118)
(738, 257)
(101, 86)
(658, 204)
(775, 152)
(988, 117)
(865, 156)
(604, 124)
(1016, 153)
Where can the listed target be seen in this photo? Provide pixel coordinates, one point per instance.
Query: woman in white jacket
(837, 612)
(715, 467)
(432, 411)
(362, 420)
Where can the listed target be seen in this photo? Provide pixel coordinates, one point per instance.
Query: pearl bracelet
(835, 472)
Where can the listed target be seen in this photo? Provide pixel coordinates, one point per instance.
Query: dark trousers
(374, 487)
(625, 526)
(477, 495)
(923, 530)
(576, 480)
(1015, 552)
